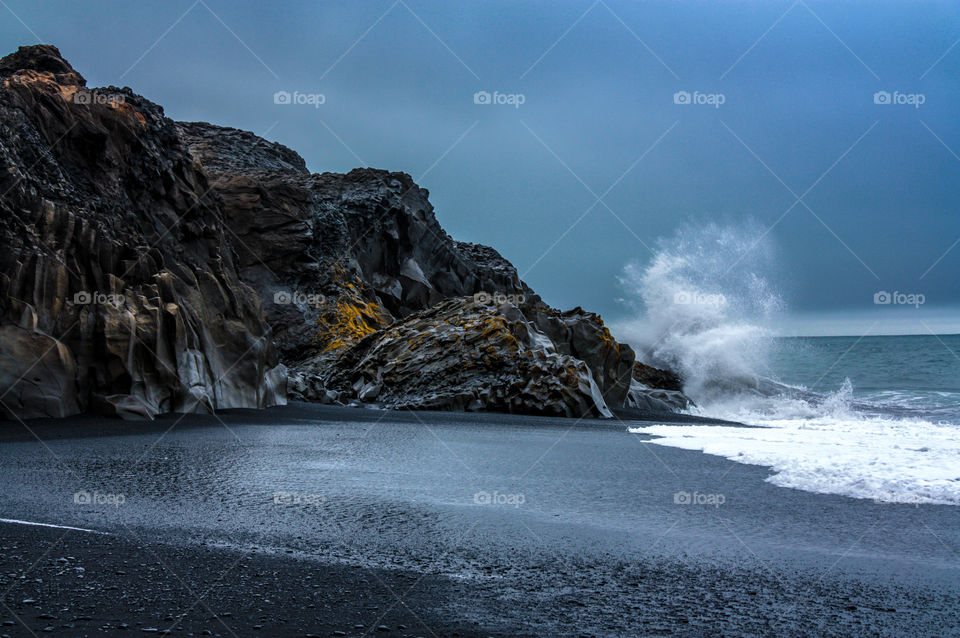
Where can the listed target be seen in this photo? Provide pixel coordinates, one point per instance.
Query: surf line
(78, 529)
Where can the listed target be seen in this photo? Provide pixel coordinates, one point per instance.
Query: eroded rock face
(118, 292)
(464, 355)
(582, 335)
(153, 266)
(354, 268)
(367, 242)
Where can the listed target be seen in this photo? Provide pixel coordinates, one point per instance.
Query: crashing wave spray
(706, 305)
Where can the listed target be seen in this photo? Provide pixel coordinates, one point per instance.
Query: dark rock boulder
(462, 354)
(582, 335)
(477, 353)
(657, 378)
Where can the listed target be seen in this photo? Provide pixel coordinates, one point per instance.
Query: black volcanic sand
(392, 534)
(91, 585)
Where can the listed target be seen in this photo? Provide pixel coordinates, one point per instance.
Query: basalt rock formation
(365, 243)
(370, 300)
(463, 354)
(155, 266)
(118, 290)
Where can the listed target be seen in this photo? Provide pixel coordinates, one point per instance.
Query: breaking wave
(705, 306)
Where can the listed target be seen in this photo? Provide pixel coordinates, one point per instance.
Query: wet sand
(314, 520)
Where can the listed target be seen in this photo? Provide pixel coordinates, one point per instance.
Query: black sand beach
(310, 520)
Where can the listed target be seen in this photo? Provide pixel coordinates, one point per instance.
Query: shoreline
(600, 546)
(92, 425)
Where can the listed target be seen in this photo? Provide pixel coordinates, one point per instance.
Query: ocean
(914, 375)
(875, 417)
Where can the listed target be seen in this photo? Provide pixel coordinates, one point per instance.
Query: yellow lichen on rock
(347, 320)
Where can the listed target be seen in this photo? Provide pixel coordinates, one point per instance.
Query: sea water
(874, 417)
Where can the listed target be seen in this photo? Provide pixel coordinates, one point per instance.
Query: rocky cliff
(118, 291)
(372, 301)
(157, 266)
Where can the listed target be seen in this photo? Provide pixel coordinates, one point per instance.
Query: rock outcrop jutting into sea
(152, 266)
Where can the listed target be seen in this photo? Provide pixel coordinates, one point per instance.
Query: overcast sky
(599, 161)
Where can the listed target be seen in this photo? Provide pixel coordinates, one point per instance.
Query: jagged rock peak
(43, 58)
(224, 149)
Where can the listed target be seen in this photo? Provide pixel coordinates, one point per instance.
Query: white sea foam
(704, 302)
(899, 461)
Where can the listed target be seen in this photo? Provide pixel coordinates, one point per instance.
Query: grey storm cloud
(572, 136)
